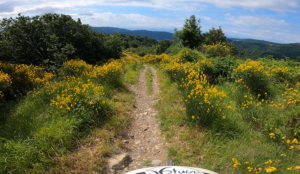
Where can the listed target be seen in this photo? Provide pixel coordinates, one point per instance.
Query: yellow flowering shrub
(127, 59)
(75, 68)
(26, 77)
(76, 94)
(109, 72)
(188, 55)
(217, 50)
(5, 82)
(282, 72)
(206, 66)
(253, 75)
(202, 100)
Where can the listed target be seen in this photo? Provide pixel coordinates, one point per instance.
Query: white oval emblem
(172, 170)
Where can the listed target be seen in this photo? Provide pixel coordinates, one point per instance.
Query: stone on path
(152, 140)
(155, 162)
(118, 162)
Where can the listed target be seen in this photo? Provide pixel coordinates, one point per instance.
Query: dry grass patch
(91, 154)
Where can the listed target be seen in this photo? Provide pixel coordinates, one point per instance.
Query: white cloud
(255, 21)
(20, 6)
(265, 27)
(127, 21)
(206, 18)
(264, 34)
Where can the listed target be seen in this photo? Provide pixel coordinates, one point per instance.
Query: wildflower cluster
(127, 59)
(109, 72)
(76, 94)
(204, 103)
(282, 73)
(5, 82)
(203, 100)
(25, 77)
(155, 58)
(217, 50)
(254, 76)
(75, 68)
(206, 66)
(291, 95)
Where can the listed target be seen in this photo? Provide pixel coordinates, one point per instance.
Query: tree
(214, 36)
(51, 39)
(190, 35)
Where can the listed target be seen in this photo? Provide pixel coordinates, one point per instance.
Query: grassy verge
(132, 73)
(43, 128)
(92, 152)
(149, 80)
(206, 147)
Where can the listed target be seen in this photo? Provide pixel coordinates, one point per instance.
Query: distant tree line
(130, 41)
(192, 37)
(51, 39)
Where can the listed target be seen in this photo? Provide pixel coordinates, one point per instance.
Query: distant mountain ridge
(254, 48)
(250, 40)
(158, 35)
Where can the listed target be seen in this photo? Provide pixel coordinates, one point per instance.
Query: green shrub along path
(229, 115)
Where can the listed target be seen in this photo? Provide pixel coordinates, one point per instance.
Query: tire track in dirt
(145, 142)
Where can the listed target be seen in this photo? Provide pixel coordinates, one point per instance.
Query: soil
(144, 142)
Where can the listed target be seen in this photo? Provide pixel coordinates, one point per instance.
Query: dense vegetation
(51, 39)
(50, 103)
(38, 131)
(231, 115)
(238, 116)
(253, 50)
(130, 41)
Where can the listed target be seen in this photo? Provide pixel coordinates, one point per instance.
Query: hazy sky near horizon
(271, 20)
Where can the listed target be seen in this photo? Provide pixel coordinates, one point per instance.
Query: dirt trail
(145, 142)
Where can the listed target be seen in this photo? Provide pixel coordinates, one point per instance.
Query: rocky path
(145, 144)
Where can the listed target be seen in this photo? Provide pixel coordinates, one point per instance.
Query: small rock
(118, 162)
(155, 162)
(152, 140)
(157, 147)
(145, 113)
(137, 142)
(125, 141)
(145, 128)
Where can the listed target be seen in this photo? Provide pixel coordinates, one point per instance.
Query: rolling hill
(254, 48)
(158, 35)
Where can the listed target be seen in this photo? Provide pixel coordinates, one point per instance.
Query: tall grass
(48, 121)
(246, 124)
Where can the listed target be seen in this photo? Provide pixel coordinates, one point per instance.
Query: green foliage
(234, 50)
(163, 46)
(149, 80)
(132, 73)
(189, 55)
(51, 39)
(190, 35)
(224, 67)
(75, 68)
(214, 36)
(130, 41)
(173, 49)
(256, 49)
(218, 50)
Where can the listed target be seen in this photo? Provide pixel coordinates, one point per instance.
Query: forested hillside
(157, 35)
(263, 49)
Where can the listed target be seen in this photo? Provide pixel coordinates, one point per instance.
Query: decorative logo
(172, 170)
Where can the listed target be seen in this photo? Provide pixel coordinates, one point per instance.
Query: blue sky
(271, 20)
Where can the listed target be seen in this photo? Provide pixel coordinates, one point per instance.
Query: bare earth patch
(144, 143)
